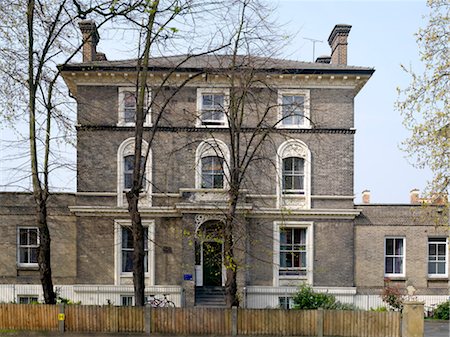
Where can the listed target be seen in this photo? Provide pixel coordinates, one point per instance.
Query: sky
(382, 37)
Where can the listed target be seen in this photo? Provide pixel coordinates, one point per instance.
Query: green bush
(442, 311)
(379, 309)
(307, 299)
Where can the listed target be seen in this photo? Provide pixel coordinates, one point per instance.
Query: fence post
(234, 328)
(412, 319)
(148, 319)
(61, 318)
(319, 322)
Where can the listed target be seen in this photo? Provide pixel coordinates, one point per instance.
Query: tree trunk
(45, 270)
(138, 247)
(231, 297)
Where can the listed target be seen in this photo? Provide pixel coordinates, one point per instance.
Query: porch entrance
(209, 268)
(212, 263)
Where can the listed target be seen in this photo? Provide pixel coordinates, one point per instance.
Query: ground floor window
(27, 246)
(394, 257)
(285, 302)
(293, 252)
(127, 249)
(127, 300)
(27, 299)
(437, 257)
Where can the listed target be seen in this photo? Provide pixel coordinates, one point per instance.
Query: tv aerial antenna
(314, 41)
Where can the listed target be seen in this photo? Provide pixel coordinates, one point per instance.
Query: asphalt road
(437, 328)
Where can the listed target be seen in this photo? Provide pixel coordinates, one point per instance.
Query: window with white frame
(293, 175)
(293, 251)
(437, 257)
(212, 156)
(27, 299)
(128, 106)
(27, 246)
(293, 257)
(293, 111)
(128, 162)
(127, 249)
(285, 302)
(127, 300)
(212, 172)
(394, 257)
(125, 164)
(211, 106)
(123, 251)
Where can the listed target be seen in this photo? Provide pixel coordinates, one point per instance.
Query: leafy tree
(425, 103)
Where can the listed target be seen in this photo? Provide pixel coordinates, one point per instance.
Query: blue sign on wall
(187, 277)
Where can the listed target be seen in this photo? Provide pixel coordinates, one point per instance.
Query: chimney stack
(90, 40)
(414, 196)
(366, 197)
(338, 44)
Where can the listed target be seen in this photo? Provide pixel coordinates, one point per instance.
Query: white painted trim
(121, 98)
(294, 148)
(94, 194)
(125, 149)
(309, 251)
(118, 275)
(306, 113)
(403, 273)
(215, 90)
(25, 265)
(211, 147)
(438, 276)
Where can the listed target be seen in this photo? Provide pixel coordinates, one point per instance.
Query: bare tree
(29, 55)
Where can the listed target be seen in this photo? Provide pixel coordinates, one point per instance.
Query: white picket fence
(87, 294)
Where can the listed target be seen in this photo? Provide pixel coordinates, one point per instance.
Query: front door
(212, 263)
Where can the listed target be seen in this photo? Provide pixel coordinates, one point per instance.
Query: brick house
(298, 220)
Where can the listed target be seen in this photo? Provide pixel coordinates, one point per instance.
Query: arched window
(128, 166)
(212, 172)
(125, 164)
(211, 160)
(293, 174)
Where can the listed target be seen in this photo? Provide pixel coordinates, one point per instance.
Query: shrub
(379, 309)
(442, 311)
(306, 299)
(392, 295)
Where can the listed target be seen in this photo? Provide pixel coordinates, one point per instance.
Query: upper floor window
(394, 257)
(437, 257)
(125, 165)
(128, 162)
(293, 175)
(211, 159)
(211, 106)
(128, 106)
(212, 172)
(27, 246)
(293, 108)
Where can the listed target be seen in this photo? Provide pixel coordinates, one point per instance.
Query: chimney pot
(366, 197)
(338, 43)
(414, 196)
(90, 40)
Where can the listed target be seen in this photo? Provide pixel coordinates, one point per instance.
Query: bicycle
(160, 303)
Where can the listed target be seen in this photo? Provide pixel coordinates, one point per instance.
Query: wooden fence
(200, 321)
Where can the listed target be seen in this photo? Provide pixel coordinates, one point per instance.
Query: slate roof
(219, 63)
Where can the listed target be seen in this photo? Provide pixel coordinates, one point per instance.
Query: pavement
(433, 328)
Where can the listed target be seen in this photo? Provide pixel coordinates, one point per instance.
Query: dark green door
(212, 264)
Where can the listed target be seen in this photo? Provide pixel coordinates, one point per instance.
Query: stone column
(188, 260)
(412, 319)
